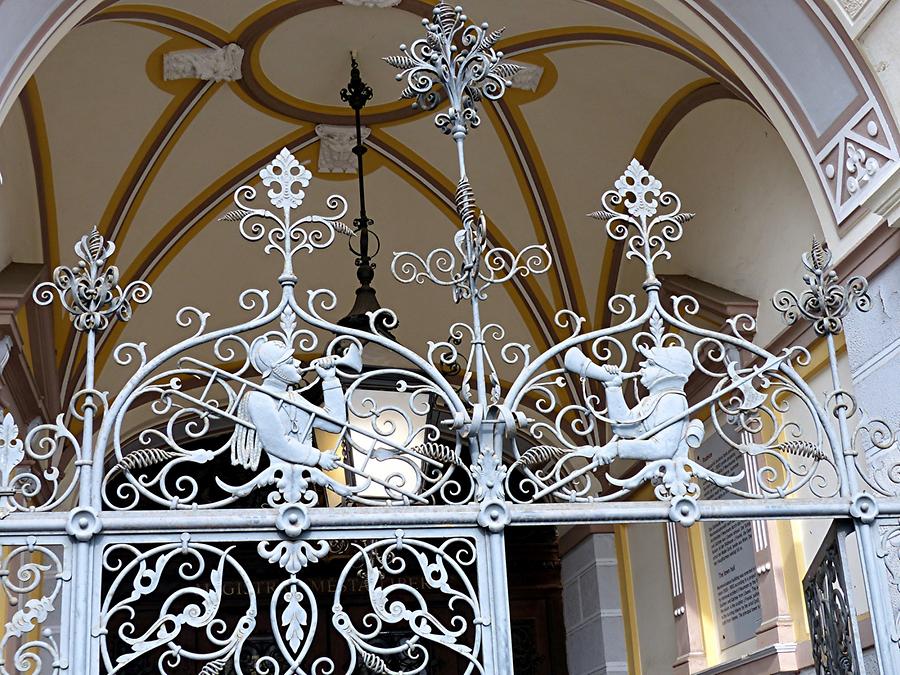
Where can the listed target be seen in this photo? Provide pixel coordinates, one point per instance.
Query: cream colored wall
(754, 215)
(652, 596)
(20, 234)
(92, 143)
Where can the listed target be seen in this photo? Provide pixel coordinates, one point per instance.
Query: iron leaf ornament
(825, 302)
(460, 57)
(90, 291)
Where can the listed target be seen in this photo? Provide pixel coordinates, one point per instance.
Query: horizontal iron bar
(380, 517)
(730, 509)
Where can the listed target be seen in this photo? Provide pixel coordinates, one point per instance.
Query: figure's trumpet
(576, 362)
(350, 360)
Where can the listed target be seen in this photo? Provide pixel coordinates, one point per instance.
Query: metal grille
(136, 523)
(830, 609)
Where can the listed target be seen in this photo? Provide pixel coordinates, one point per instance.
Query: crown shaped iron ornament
(641, 194)
(285, 177)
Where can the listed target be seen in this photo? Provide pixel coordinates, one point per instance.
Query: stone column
(776, 628)
(595, 628)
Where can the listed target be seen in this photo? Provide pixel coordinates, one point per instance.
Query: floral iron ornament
(461, 58)
(641, 194)
(90, 291)
(825, 302)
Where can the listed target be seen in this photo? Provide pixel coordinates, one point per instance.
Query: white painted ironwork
(226, 416)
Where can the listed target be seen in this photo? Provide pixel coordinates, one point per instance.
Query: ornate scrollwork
(825, 302)
(190, 615)
(658, 431)
(889, 552)
(641, 194)
(279, 413)
(239, 403)
(830, 621)
(286, 177)
(394, 603)
(474, 267)
(470, 274)
(209, 607)
(293, 612)
(254, 388)
(90, 291)
(29, 479)
(389, 452)
(873, 449)
(36, 571)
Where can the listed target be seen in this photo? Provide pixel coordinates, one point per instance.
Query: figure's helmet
(266, 355)
(676, 360)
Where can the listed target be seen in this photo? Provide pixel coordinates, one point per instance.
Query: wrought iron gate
(135, 523)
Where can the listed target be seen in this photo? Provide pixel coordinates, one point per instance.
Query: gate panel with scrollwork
(138, 522)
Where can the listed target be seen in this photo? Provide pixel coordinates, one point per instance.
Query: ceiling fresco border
(33, 113)
(34, 33)
(514, 133)
(681, 38)
(38, 36)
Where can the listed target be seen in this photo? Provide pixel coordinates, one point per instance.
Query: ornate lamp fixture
(357, 93)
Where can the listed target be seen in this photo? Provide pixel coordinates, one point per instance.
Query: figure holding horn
(283, 430)
(664, 372)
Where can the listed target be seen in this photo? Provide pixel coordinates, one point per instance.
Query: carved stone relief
(857, 160)
(852, 7)
(528, 76)
(216, 64)
(336, 148)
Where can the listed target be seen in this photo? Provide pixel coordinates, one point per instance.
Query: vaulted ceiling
(153, 162)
